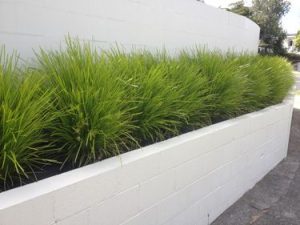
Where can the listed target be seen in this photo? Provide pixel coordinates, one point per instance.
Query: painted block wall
(173, 24)
(186, 180)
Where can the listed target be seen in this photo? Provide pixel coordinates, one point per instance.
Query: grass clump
(226, 84)
(93, 121)
(79, 105)
(268, 78)
(24, 116)
(166, 95)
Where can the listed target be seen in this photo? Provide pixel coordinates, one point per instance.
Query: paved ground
(297, 80)
(275, 200)
(297, 99)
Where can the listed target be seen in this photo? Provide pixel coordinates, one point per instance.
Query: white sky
(291, 22)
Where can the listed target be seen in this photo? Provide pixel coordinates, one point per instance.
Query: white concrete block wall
(186, 180)
(174, 24)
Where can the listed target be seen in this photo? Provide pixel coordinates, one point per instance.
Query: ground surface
(275, 200)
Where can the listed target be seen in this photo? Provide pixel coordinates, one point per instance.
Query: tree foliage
(240, 8)
(267, 14)
(297, 40)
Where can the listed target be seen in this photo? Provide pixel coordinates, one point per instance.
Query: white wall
(297, 66)
(176, 182)
(286, 44)
(174, 24)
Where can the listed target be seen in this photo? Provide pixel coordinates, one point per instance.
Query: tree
(240, 8)
(267, 14)
(297, 40)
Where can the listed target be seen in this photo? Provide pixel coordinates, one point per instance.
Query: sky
(291, 22)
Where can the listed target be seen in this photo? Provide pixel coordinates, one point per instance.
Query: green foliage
(267, 14)
(24, 115)
(85, 105)
(240, 8)
(297, 41)
(226, 84)
(269, 80)
(258, 90)
(279, 85)
(166, 95)
(93, 121)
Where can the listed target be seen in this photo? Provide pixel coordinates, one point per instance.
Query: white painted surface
(178, 181)
(297, 66)
(173, 24)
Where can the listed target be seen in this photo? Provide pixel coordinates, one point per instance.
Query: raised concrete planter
(186, 180)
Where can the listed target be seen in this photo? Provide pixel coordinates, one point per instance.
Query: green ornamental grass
(92, 120)
(78, 105)
(24, 117)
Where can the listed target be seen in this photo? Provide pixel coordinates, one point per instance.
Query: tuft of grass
(259, 85)
(269, 80)
(167, 95)
(279, 71)
(226, 85)
(93, 121)
(24, 116)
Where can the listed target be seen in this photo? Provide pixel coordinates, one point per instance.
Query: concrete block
(81, 218)
(74, 198)
(36, 211)
(157, 188)
(146, 217)
(171, 206)
(117, 209)
(138, 171)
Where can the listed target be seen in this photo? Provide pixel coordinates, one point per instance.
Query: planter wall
(173, 24)
(186, 180)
